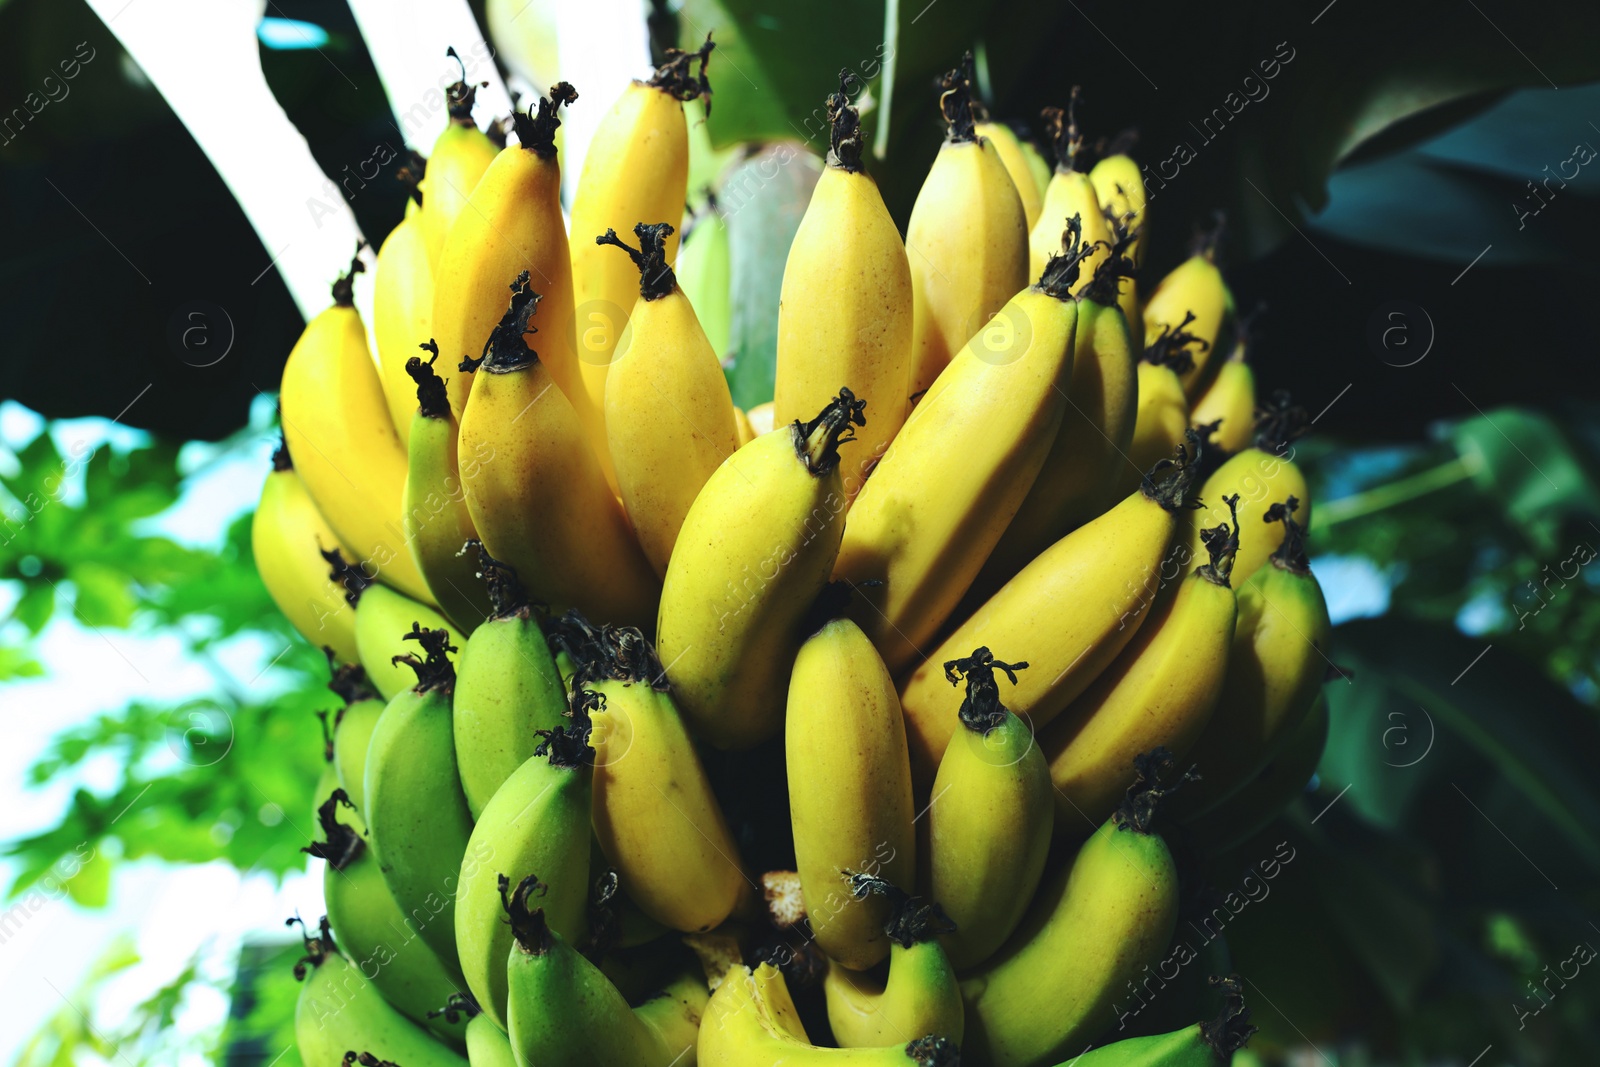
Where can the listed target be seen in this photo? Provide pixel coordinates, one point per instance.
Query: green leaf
(18, 663)
(36, 605)
(102, 596)
(91, 886)
(1526, 463)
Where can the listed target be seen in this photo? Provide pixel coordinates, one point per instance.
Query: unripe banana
(980, 436)
(1092, 928)
(372, 929)
(1258, 476)
(509, 691)
(1161, 417)
(339, 1009)
(850, 788)
(769, 519)
(636, 170)
(920, 995)
(1159, 693)
(990, 819)
(487, 1044)
(967, 241)
(461, 155)
(655, 816)
(402, 313)
(1120, 187)
(536, 826)
(352, 731)
(1275, 669)
(418, 818)
(670, 419)
(541, 503)
(1069, 195)
(1259, 801)
(1231, 402)
(1207, 1044)
(512, 225)
(288, 536)
(1017, 165)
(751, 1020)
(438, 524)
(383, 619)
(564, 1011)
(336, 424)
(705, 273)
(1194, 288)
(845, 311)
(1068, 613)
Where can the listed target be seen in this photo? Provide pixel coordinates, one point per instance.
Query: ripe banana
(1258, 476)
(849, 789)
(752, 1020)
(1119, 185)
(1161, 416)
(508, 690)
(1089, 932)
(461, 155)
(1255, 804)
(1041, 168)
(1194, 288)
(771, 517)
(845, 310)
(636, 170)
(1230, 401)
(1070, 194)
(655, 816)
(512, 225)
(1079, 479)
(288, 536)
(967, 241)
(990, 817)
(418, 818)
(541, 503)
(438, 524)
(1009, 148)
(1160, 692)
(980, 435)
(338, 1008)
(352, 730)
(1068, 613)
(705, 273)
(1207, 1044)
(670, 418)
(372, 929)
(920, 995)
(383, 618)
(762, 418)
(747, 433)
(537, 826)
(336, 425)
(402, 313)
(1275, 669)
(563, 1010)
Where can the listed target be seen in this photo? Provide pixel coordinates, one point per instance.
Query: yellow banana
(766, 527)
(1038, 166)
(1194, 288)
(336, 423)
(959, 470)
(540, 502)
(1161, 416)
(1275, 669)
(990, 817)
(383, 620)
(1120, 187)
(1160, 692)
(402, 313)
(1092, 928)
(438, 523)
(1011, 153)
(1124, 235)
(762, 419)
(461, 155)
(512, 225)
(637, 170)
(655, 816)
(752, 1020)
(747, 432)
(850, 789)
(920, 995)
(1248, 810)
(1069, 194)
(1069, 612)
(967, 241)
(1258, 476)
(1208, 1044)
(1230, 401)
(670, 419)
(288, 536)
(845, 310)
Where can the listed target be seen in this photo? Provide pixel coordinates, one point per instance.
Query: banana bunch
(1011, 554)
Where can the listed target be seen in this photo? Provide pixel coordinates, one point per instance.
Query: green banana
(1091, 929)
(705, 275)
(990, 819)
(415, 810)
(383, 619)
(487, 1044)
(1248, 810)
(507, 688)
(1207, 1044)
(352, 730)
(339, 1009)
(536, 825)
